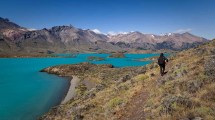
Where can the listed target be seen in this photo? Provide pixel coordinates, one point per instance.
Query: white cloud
(32, 29)
(119, 32)
(183, 30)
(97, 31)
(110, 32)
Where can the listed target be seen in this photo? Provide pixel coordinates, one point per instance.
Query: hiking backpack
(161, 61)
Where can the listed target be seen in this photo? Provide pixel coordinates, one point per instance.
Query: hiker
(161, 62)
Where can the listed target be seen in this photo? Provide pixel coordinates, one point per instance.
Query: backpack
(161, 61)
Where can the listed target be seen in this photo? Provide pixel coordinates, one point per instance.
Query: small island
(117, 55)
(95, 58)
(153, 58)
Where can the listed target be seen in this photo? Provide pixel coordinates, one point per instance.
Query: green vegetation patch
(115, 102)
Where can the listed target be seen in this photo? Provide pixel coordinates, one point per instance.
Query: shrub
(115, 102)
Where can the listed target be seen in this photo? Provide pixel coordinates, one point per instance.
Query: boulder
(168, 102)
(90, 94)
(197, 118)
(125, 78)
(210, 67)
(100, 87)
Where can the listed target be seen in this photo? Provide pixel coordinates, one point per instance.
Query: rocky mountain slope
(58, 39)
(185, 92)
(18, 40)
(173, 41)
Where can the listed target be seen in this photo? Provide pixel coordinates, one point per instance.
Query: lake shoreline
(99, 75)
(73, 82)
(103, 76)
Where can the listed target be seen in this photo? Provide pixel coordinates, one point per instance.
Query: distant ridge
(62, 39)
(173, 41)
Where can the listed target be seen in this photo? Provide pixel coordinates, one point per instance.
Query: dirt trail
(134, 110)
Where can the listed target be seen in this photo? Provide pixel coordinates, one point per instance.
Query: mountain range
(173, 41)
(63, 39)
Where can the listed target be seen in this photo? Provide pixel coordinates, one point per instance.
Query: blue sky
(147, 16)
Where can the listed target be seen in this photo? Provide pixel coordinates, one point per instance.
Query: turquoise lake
(27, 93)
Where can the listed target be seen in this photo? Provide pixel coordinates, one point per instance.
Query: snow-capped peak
(152, 36)
(166, 34)
(31, 29)
(97, 31)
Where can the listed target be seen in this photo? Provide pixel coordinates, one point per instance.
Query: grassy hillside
(185, 92)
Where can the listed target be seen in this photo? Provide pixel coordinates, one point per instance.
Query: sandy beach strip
(71, 92)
